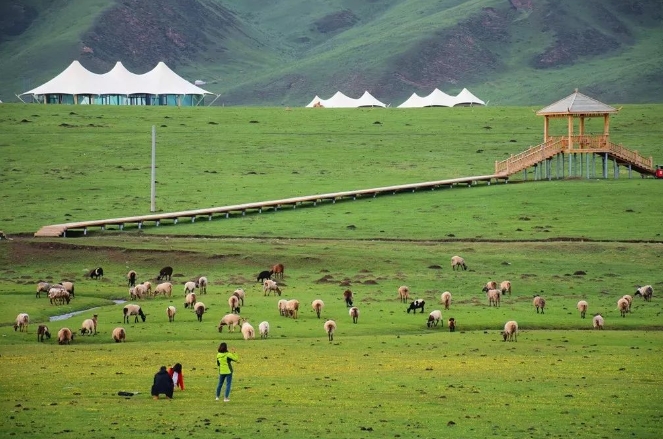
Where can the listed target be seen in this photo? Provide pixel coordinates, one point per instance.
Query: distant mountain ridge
(269, 52)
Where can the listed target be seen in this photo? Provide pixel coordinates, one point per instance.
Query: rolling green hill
(257, 52)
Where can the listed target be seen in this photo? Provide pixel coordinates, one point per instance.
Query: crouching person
(163, 384)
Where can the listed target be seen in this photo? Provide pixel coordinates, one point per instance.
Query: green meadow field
(389, 375)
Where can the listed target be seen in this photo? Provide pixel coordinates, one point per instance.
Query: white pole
(153, 203)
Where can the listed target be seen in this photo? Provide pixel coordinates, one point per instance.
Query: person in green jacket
(224, 360)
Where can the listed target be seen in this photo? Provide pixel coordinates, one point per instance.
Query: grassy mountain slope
(511, 52)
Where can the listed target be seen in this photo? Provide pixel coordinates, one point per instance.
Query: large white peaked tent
(119, 86)
(438, 98)
(467, 98)
(339, 100)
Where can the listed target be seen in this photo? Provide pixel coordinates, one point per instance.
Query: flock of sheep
(64, 292)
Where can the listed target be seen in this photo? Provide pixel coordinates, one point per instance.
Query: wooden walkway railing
(528, 158)
(208, 213)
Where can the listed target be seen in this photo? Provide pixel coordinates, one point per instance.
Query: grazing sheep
(622, 306)
(452, 324)
(119, 334)
(268, 286)
(445, 298)
(96, 273)
(582, 307)
(69, 287)
(417, 304)
(166, 273)
(201, 284)
(493, 297)
(131, 277)
(65, 336)
(317, 306)
(233, 302)
(229, 320)
(42, 330)
(190, 300)
(330, 327)
(137, 292)
(458, 262)
(263, 328)
(264, 275)
(189, 287)
(42, 287)
(148, 287)
(354, 313)
(247, 331)
(491, 285)
(646, 292)
(539, 302)
(348, 297)
(281, 306)
(597, 321)
(165, 288)
(58, 295)
(434, 318)
(132, 310)
(89, 326)
(22, 321)
(403, 293)
(170, 312)
(200, 309)
(292, 308)
(277, 271)
(505, 287)
(510, 332)
(240, 294)
(629, 299)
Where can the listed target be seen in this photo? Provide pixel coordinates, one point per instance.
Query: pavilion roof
(576, 103)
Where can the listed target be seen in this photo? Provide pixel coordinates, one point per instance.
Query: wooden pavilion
(580, 149)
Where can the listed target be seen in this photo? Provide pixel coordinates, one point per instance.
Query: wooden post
(570, 133)
(605, 165)
(606, 126)
(546, 126)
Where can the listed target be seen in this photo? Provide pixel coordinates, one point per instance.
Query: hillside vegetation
(508, 52)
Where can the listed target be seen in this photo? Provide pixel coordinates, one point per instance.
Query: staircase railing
(529, 157)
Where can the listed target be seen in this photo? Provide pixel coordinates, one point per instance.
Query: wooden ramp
(209, 213)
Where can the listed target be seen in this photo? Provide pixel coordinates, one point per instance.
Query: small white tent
(367, 100)
(339, 100)
(414, 101)
(465, 98)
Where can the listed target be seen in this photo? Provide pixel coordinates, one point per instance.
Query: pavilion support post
(605, 165)
(525, 174)
(615, 167)
(629, 170)
(549, 161)
(570, 165)
(587, 158)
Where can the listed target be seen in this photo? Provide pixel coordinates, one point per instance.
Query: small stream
(75, 313)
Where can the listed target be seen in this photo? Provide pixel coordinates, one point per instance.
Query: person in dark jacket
(163, 383)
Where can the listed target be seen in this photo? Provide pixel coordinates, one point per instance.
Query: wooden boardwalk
(209, 213)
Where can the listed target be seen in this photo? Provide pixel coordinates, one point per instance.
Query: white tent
(467, 98)
(339, 100)
(414, 101)
(160, 85)
(367, 100)
(438, 98)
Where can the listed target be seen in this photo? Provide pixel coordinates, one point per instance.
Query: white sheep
(170, 312)
(292, 308)
(330, 327)
(622, 306)
(42, 287)
(505, 287)
(494, 297)
(230, 320)
(263, 328)
(404, 293)
(597, 321)
(58, 295)
(445, 298)
(457, 261)
(646, 292)
(539, 302)
(69, 287)
(282, 307)
(582, 307)
(510, 332)
(189, 287)
(200, 309)
(65, 336)
(233, 303)
(629, 299)
(148, 287)
(165, 288)
(89, 326)
(268, 286)
(132, 310)
(247, 331)
(354, 313)
(119, 334)
(240, 294)
(490, 285)
(434, 318)
(201, 284)
(22, 321)
(137, 292)
(317, 306)
(190, 300)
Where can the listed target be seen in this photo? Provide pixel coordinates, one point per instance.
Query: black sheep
(165, 274)
(417, 304)
(96, 273)
(264, 275)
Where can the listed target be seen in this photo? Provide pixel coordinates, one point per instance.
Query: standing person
(162, 384)
(175, 373)
(224, 360)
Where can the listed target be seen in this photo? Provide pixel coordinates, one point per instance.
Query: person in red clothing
(176, 375)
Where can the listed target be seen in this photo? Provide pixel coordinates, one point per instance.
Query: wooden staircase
(579, 145)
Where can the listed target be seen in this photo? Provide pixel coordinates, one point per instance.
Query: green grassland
(389, 375)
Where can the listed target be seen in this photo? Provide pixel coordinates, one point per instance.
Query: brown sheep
(65, 336)
(404, 294)
(119, 335)
(539, 302)
(458, 262)
(491, 285)
(505, 287)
